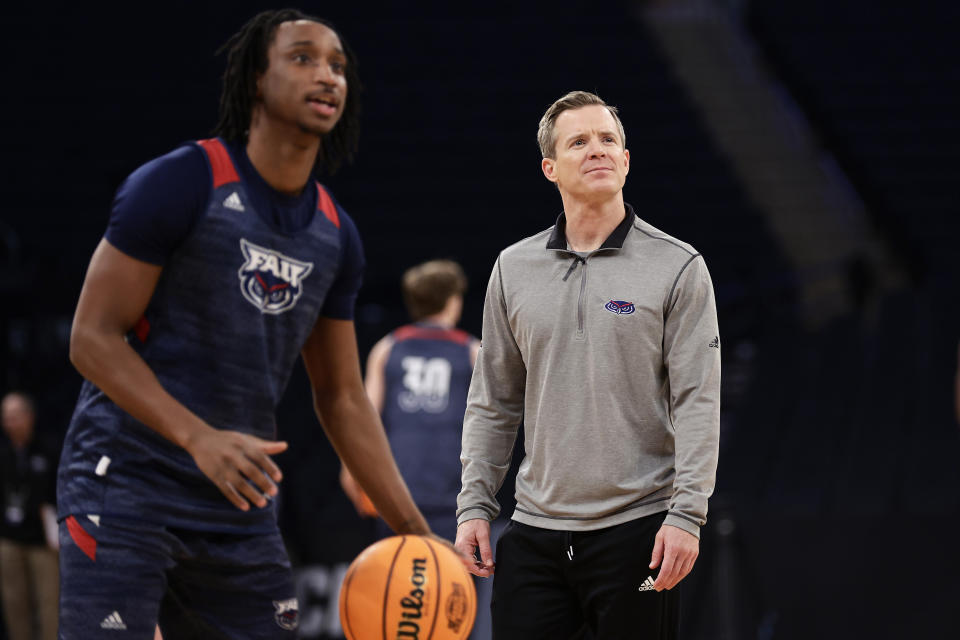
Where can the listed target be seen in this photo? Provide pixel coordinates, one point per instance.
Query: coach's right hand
(234, 460)
(472, 535)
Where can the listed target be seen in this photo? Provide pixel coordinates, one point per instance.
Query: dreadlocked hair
(247, 60)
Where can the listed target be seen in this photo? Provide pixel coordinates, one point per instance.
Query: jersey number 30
(426, 383)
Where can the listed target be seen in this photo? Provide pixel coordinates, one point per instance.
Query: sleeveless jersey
(233, 306)
(426, 379)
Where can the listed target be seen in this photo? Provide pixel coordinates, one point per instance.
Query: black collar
(558, 238)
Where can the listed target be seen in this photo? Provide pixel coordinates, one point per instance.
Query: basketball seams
(471, 602)
(386, 589)
(439, 588)
(345, 601)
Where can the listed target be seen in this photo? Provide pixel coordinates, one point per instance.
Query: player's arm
(375, 384)
(353, 425)
(115, 293)
(375, 381)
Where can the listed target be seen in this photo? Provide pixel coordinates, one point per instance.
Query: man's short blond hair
(428, 286)
(546, 135)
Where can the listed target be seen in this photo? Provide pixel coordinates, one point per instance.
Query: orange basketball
(407, 587)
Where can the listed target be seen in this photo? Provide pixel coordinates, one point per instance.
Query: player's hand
(678, 550)
(472, 535)
(239, 464)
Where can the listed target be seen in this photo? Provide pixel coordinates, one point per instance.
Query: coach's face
(590, 161)
(305, 83)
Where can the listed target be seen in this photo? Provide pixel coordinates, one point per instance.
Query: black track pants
(558, 585)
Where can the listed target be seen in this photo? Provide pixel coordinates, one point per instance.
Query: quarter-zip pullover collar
(558, 238)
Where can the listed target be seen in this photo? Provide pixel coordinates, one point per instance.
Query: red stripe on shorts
(82, 539)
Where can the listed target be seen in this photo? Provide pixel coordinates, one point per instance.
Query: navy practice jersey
(236, 300)
(426, 380)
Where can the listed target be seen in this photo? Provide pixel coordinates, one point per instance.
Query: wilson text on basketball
(412, 604)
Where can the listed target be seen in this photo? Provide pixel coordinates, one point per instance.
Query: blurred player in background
(223, 261)
(417, 377)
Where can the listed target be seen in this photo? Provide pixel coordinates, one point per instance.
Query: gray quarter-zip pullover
(611, 359)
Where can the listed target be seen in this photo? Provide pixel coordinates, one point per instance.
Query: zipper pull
(573, 265)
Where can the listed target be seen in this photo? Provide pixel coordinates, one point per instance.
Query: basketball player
(223, 260)
(417, 378)
(600, 334)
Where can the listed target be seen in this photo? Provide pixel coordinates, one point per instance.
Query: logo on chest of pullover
(620, 307)
(270, 280)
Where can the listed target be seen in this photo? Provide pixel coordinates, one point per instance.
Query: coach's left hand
(678, 550)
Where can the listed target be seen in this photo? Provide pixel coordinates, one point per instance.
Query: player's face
(590, 159)
(305, 82)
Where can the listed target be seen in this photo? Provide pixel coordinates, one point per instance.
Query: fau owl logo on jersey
(269, 280)
(620, 307)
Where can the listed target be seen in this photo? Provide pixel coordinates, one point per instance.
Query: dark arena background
(810, 149)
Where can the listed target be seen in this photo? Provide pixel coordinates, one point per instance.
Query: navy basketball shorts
(129, 576)
(561, 585)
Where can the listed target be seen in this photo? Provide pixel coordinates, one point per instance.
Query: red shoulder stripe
(404, 333)
(325, 204)
(220, 163)
(460, 337)
(412, 332)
